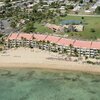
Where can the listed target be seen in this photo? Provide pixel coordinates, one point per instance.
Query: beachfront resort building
(53, 43)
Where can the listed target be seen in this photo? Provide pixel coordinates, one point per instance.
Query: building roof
(25, 35)
(82, 44)
(40, 37)
(53, 26)
(12, 36)
(65, 42)
(95, 45)
(57, 40)
(52, 39)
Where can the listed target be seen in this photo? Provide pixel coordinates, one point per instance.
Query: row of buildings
(53, 43)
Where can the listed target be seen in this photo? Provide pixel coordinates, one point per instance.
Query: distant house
(62, 9)
(54, 27)
(2, 4)
(77, 8)
(86, 0)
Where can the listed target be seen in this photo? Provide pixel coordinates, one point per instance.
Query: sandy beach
(28, 58)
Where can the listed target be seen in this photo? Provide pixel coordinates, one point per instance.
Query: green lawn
(42, 29)
(92, 22)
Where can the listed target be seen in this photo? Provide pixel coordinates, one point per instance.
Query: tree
(1, 49)
(76, 52)
(22, 39)
(29, 27)
(70, 46)
(13, 24)
(86, 57)
(9, 43)
(54, 46)
(48, 44)
(70, 6)
(2, 40)
(32, 42)
(41, 2)
(81, 1)
(83, 20)
(91, 1)
(6, 1)
(65, 50)
(92, 30)
(55, 5)
(97, 10)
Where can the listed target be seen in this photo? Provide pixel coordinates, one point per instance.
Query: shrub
(97, 10)
(92, 30)
(70, 7)
(0, 49)
(90, 62)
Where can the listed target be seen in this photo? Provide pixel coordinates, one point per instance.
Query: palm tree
(48, 44)
(16, 45)
(9, 45)
(33, 38)
(65, 50)
(2, 40)
(59, 49)
(83, 20)
(54, 46)
(70, 46)
(23, 40)
(39, 44)
(43, 43)
(75, 52)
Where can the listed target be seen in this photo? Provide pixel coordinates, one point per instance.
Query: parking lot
(5, 26)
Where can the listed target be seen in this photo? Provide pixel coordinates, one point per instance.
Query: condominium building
(89, 48)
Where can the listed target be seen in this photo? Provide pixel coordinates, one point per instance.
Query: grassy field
(42, 29)
(91, 23)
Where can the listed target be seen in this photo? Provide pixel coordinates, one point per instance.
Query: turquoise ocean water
(34, 84)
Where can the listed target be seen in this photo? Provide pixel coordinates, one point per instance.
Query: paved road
(84, 15)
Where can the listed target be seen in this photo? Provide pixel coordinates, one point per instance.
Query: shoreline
(60, 67)
(26, 58)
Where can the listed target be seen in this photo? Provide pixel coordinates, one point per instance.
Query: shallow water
(33, 84)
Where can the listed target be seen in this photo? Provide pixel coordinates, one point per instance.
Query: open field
(91, 22)
(40, 28)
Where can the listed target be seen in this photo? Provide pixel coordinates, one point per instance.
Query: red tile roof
(82, 44)
(65, 42)
(40, 37)
(57, 40)
(52, 39)
(95, 45)
(53, 26)
(12, 36)
(25, 35)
